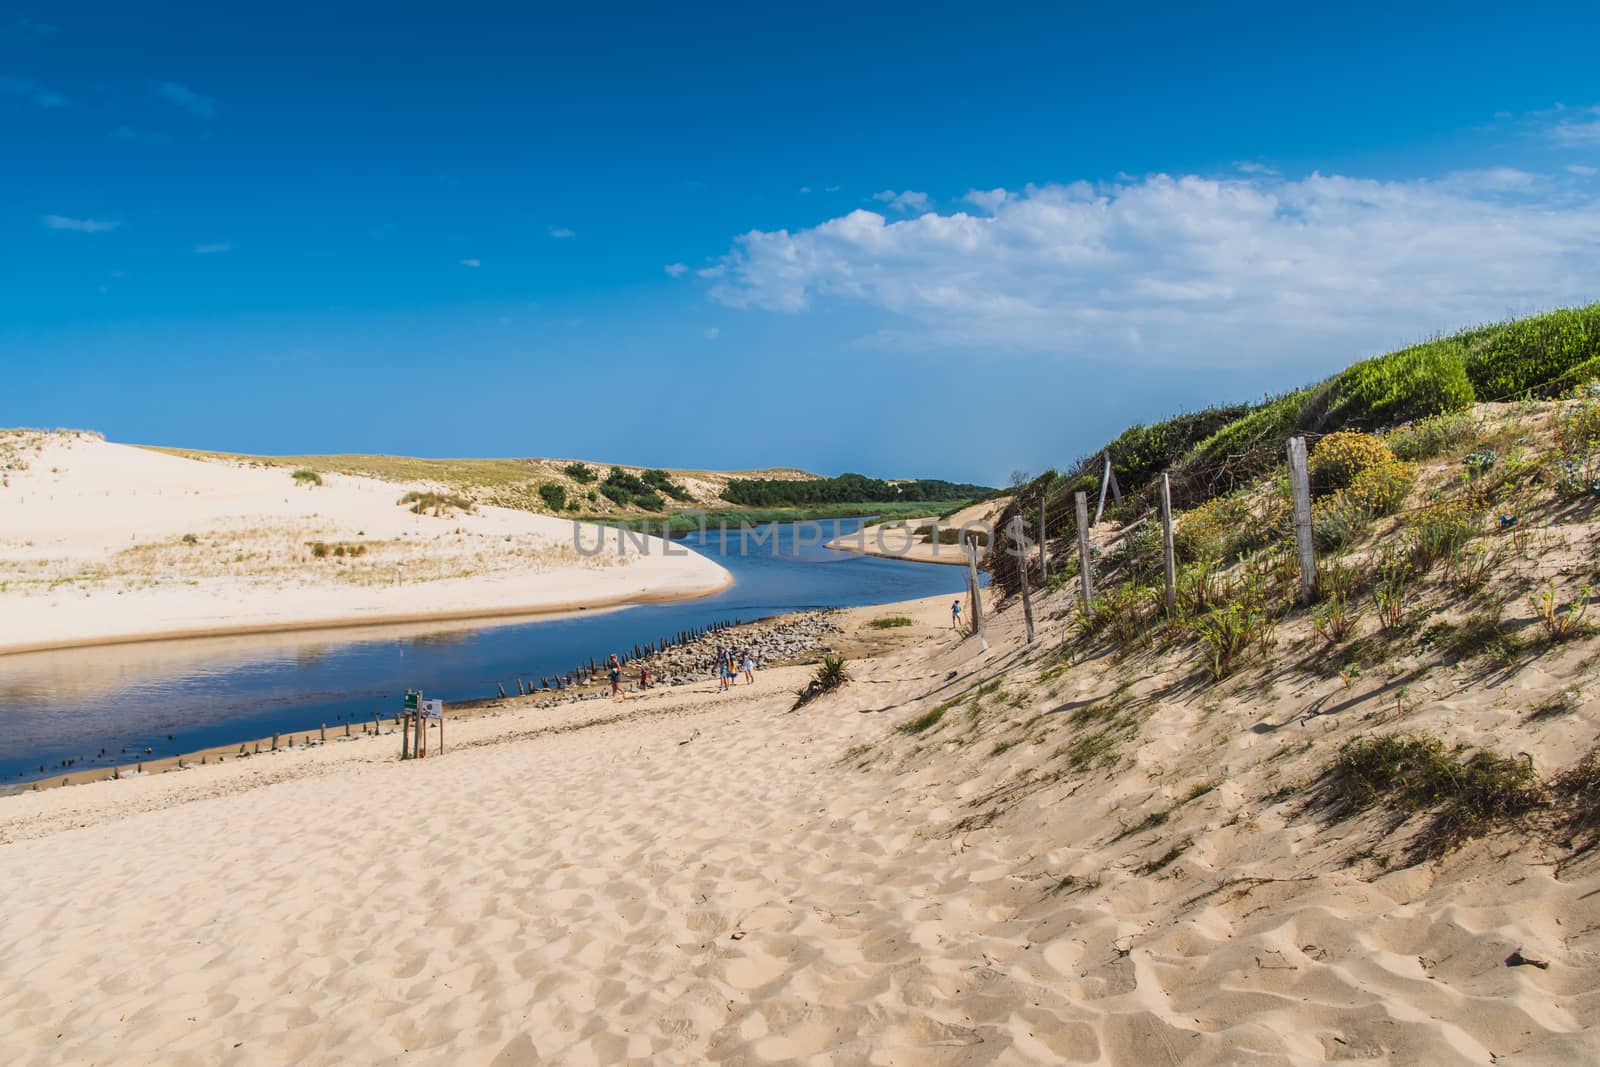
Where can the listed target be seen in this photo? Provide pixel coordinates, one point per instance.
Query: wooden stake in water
(1168, 555)
(1300, 483)
(1085, 574)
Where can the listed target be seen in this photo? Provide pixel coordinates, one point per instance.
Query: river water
(108, 705)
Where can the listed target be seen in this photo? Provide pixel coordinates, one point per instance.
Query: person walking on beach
(749, 666)
(644, 676)
(614, 667)
(724, 666)
(955, 615)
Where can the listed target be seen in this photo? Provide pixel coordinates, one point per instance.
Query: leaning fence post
(405, 737)
(1019, 540)
(1169, 556)
(1086, 577)
(1300, 482)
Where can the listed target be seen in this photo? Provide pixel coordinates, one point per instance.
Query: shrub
(1229, 632)
(650, 502)
(1392, 591)
(1335, 620)
(1560, 625)
(1440, 531)
(1226, 526)
(1412, 772)
(555, 496)
(831, 673)
(581, 473)
(1426, 379)
(616, 494)
(438, 503)
(1538, 354)
(306, 477)
(1338, 459)
(1433, 436)
(1140, 453)
(1240, 452)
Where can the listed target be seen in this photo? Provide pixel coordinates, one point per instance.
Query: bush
(438, 503)
(650, 502)
(581, 473)
(307, 478)
(555, 496)
(1226, 526)
(1440, 531)
(1229, 632)
(1433, 436)
(1413, 772)
(1238, 453)
(889, 622)
(1338, 458)
(616, 494)
(1426, 379)
(1541, 354)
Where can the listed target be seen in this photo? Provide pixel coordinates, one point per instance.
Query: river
(109, 705)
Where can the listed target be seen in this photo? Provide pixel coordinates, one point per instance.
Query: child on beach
(724, 666)
(955, 615)
(749, 666)
(614, 666)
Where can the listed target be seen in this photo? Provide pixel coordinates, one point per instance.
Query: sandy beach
(104, 542)
(900, 539)
(693, 877)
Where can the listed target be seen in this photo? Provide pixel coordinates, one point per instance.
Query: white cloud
(212, 249)
(1571, 127)
(907, 201)
(676, 269)
(712, 333)
(1582, 171)
(471, 262)
(182, 96)
(987, 199)
(62, 222)
(561, 232)
(1250, 166)
(32, 92)
(1160, 269)
(804, 189)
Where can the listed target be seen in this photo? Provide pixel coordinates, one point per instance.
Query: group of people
(730, 664)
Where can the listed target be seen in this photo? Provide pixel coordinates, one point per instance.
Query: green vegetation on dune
(1425, 387)
(847, 488)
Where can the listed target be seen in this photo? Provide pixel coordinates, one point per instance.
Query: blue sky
(839, 237)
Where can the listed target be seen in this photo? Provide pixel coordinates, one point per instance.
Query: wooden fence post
(1019, 540)
(405, 737)
(1044, 555)
(1085, 575)
(1300, 482)
(975, 593)
(1169, 555)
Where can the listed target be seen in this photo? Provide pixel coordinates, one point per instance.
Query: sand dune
(106, 542)
(691, 877)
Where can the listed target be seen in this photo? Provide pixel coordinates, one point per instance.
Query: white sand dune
(692, 877)
(102, 542)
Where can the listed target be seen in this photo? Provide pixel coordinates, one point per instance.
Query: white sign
(433, 709)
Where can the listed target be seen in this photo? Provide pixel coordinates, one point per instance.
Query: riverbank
(107, 543)
(910, 538)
